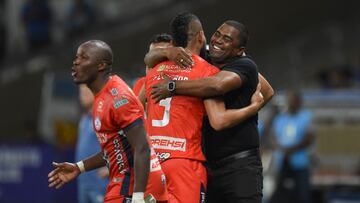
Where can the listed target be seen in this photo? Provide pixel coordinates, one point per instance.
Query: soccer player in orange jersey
(118, 123)
(174, 124)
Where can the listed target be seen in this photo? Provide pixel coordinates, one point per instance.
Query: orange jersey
(138, 85)
(115, 110)
(174, 124)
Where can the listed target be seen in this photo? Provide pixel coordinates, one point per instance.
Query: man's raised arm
(177, 54)
(219, 84)
(221, 118)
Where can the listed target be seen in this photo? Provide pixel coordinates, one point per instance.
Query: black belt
(234, 157)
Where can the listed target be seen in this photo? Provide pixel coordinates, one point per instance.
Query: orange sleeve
(137, 86)
(126, 109)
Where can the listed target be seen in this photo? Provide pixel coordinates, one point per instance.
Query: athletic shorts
(185, 179)
(121, 189)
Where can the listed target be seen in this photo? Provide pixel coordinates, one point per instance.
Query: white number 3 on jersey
(166, 118)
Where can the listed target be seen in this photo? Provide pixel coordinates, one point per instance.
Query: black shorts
(239, 181)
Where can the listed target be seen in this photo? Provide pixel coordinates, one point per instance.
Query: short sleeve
(126, 109)
(244, 67)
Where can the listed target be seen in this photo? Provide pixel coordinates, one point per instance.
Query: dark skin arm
(219, 84)
(66, 172)
(266, 90)
(221, 118)
(177, 54)
(138, 140)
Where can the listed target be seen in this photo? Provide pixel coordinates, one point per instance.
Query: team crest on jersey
(120, 101)
(97, 123)
(114, 91)
(161, 68)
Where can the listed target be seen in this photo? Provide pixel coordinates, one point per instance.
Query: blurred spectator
(36, 16)
(91, 185)
(293, 137)
(338, 77)
(80, 16)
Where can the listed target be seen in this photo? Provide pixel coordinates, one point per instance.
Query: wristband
(171, 87)
(138, 196)
(81, 166)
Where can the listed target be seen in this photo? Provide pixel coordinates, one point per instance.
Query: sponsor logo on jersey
(163, 156)
(170, 143)
(154, 161)
(154, 164)
(180, 77)
(97, 123)
(119, 157)
(174, 68)
(114, 91)
(100, 107)
(118, 102)
(173, 77)
(161, 68)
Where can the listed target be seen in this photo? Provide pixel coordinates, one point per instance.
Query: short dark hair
(244, 33)
(179, 27)
(163, 37)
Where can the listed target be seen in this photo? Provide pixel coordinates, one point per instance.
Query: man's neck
(99, 83)
(221, 64)
(193, 48)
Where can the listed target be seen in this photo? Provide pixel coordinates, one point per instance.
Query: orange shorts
(185, 179)
(119, 191)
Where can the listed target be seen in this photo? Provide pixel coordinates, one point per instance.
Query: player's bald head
(99, 50)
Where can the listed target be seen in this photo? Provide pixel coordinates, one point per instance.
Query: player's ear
(201, 36)
(240, 51)
(102, 66)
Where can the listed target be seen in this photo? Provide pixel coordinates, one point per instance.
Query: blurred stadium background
(312, 46)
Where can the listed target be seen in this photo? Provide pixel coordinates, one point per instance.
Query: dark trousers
(237, 182)
(293, 185)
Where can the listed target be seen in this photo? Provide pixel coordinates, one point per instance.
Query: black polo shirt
(244, 136)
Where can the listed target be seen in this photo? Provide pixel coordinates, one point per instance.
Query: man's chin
(215, 56)
(77, 82)
(216, 59)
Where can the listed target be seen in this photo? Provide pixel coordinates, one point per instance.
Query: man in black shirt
(235, 170)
